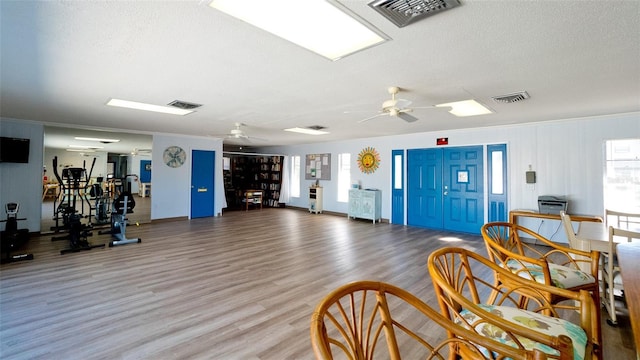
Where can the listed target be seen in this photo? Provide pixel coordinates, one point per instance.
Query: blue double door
(445, 188)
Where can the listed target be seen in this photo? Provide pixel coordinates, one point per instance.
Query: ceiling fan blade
(372, 117)
(406, 117)
(402, 103)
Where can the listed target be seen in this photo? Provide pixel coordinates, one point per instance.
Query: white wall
(171, 187)
(567, 156)
(22, 183)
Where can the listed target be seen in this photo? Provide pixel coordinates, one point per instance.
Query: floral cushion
(540, 323)
(562, 276)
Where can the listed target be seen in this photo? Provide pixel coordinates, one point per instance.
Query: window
(622, 175)
(344, 176)
(497, 170)
(295, 176)
(397, 172)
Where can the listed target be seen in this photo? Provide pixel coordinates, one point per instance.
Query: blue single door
(424, 187)
(145, 171)
(202, 171)
(497, 182)
(463, 204)
(397, 187)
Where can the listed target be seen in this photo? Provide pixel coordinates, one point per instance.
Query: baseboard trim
(335, 213)
(178, 218)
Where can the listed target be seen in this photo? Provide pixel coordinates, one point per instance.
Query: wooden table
(629, 261)
(515, 214)
(253, 197)
(144, 189)
(50, 187)
(595, 236)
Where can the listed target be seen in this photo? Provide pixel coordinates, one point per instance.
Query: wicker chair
(519, 314)
(542, 260)
(366, 320)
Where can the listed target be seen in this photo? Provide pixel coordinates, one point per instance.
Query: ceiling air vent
(184, 105)
(511, 98)
(404, 12)
(316, 127)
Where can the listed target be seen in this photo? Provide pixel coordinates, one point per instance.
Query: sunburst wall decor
(368, 160)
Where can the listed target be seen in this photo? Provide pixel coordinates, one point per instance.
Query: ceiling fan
(238, 134)
(396, 107)
(137, 151)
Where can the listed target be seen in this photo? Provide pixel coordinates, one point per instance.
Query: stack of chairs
(625, 227)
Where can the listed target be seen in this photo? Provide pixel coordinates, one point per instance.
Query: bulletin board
(317, 167)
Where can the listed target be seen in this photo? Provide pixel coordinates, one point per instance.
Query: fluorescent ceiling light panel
(466, 108)
(97, 139)
(307, 131)
(82, 150)
(86, 147)
(324, 27)
(148, 107)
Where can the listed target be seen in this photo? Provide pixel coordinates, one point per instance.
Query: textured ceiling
(63, 60)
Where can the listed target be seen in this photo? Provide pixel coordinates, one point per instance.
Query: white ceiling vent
(316, 127)
(511, 98)
(184, 105)
(404, 12)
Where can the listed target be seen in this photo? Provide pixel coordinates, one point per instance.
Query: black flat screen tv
(14, 150)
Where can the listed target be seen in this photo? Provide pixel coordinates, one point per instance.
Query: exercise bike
(123, 205)
(13, 238)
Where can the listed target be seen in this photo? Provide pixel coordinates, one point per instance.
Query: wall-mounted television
(14, 150)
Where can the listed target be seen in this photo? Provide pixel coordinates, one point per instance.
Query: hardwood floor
(240, 286)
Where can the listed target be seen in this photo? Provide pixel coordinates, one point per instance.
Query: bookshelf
(257, 172)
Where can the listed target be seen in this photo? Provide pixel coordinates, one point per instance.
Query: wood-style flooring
(240, 286)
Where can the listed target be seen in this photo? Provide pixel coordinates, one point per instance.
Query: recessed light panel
(148, 107)
(307, 131)
(466, 108)
(97, 139)
(324, 27)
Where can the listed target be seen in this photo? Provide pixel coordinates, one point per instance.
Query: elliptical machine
(77, 231)
(101, 202)
(73, 184)
(13, 238)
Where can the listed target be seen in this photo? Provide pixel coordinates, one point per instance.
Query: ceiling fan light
(466, 108)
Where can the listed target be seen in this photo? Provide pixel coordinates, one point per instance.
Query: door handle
(202, 189)
(446, 193)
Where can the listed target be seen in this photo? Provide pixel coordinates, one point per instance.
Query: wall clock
(368, 160)
(174, 156)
